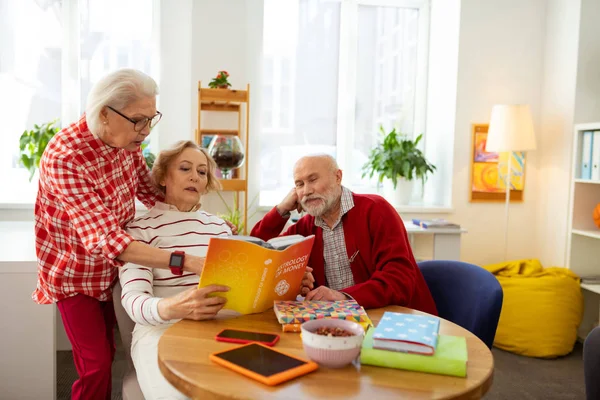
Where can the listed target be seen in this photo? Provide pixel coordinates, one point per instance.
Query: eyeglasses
(140, 124)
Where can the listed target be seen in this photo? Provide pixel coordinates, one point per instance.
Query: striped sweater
(166, 228)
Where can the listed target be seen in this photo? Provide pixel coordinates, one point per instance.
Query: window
(333, 72)
(53, 51)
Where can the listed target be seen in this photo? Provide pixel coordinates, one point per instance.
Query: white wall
(227, 35)
(587, 100)
(554, 137)
(176, 92)
(441, 96)
(500, 61)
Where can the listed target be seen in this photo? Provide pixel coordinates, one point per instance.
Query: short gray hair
(117, 89)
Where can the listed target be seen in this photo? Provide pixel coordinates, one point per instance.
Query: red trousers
(89, 325)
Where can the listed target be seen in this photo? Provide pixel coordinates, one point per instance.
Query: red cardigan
(385, 271)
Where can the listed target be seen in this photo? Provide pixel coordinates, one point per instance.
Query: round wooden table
(184, 348)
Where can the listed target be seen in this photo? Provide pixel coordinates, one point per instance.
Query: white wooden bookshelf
(595, 288)
(581, 232)
(583, 239)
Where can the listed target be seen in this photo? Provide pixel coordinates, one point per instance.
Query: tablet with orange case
(265, 364)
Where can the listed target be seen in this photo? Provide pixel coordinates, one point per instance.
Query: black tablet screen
(252, 336)
(263, 361)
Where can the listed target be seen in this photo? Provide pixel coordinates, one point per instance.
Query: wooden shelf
(225, 95)
(587, 181)
(233, 132)
(589, 233)
(214, 106)
(234, 185)
(237, 104)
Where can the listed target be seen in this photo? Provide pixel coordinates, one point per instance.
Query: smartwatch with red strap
(176, 262)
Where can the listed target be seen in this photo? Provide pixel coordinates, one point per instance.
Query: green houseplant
(149, 156)
(398, 159)
(234, 214)
(33, 143)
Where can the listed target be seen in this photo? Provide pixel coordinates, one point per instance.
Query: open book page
(281, 242)
(277, 243)
(256, 275)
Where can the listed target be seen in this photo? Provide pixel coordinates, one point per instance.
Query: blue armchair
(465, 294)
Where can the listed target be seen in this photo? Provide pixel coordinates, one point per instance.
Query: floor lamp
(510, 130)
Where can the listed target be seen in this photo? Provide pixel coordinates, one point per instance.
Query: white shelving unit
(583, 241)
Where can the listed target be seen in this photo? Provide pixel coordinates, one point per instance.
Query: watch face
(176, 260)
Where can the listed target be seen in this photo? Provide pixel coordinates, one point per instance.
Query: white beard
(328, 200)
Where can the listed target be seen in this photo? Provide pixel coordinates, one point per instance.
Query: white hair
(117, 89)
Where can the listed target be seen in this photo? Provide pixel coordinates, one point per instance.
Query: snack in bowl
(332, 343)
(328, 331)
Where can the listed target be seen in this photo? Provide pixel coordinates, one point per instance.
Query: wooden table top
(184, 348)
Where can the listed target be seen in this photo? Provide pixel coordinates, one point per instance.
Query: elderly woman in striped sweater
(155, 298)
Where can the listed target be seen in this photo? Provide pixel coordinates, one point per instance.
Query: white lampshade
(511, 129)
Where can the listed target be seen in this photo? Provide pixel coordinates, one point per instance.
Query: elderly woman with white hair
(90, 174)
(155, 299)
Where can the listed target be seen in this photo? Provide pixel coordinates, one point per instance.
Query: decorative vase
(401, 195)
(223, 86)
(228, 153)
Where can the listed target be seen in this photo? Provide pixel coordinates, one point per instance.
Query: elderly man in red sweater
(361, 247)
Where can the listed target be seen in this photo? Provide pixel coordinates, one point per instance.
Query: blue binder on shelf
(586, 154)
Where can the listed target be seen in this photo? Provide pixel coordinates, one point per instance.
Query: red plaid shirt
(86, 195)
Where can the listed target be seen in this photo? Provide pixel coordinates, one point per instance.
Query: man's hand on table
(324, 293)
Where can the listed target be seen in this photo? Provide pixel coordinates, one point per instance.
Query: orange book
(292, 328)
(257, 272)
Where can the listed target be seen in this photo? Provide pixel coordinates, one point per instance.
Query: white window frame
(70, 75)
(71, 60)
(346, 134)
(346, 95)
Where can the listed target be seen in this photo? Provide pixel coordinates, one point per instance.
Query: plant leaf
(397, 156)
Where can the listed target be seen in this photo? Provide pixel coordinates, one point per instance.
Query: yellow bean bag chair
(541, 310)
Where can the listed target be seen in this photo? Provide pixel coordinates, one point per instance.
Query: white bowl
(332, 351)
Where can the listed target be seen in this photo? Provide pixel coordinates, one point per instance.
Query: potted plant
(235, 215)
(33, 143)
(220, 81)
(149, 156)
(397, 162)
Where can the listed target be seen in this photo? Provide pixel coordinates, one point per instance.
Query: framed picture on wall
(488, 170)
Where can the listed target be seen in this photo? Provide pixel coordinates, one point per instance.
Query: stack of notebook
(291, 314)
(411, 342)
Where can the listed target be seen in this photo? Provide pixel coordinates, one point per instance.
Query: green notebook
(450, 357)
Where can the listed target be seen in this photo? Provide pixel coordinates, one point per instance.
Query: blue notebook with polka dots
(407, 333)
